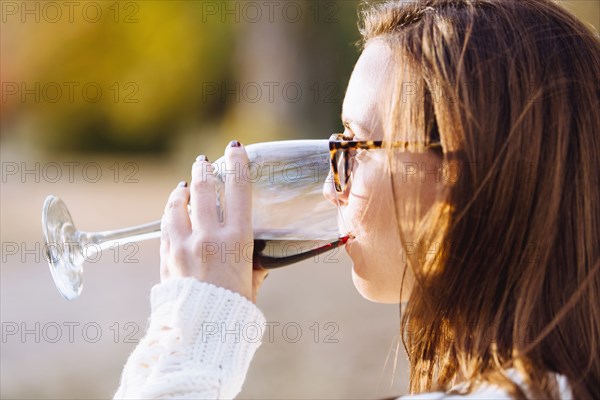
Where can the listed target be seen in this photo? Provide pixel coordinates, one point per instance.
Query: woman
(480, 209)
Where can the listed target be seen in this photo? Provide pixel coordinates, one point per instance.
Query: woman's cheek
(377, 253)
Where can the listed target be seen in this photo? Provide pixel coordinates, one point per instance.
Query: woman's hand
(199, 245)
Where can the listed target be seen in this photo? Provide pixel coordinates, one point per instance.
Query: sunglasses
(342, 151)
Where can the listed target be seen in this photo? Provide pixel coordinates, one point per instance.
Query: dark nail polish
(182, 184)
(201, 157)
(234, 143)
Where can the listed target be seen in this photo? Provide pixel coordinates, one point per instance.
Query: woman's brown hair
(512, 89)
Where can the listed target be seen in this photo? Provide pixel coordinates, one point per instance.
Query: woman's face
(367, 205)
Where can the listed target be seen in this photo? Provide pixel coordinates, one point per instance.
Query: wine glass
(291, 219)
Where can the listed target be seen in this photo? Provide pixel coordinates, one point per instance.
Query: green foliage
(126, 80)
(132, 79)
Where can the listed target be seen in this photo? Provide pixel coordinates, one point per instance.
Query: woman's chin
(372, 289)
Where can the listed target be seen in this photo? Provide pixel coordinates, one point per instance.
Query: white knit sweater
(201, 339)
(198, 345)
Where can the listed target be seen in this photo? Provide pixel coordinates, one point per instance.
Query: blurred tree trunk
(300, 71)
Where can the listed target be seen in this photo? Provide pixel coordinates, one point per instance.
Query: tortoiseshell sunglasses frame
(338, 142)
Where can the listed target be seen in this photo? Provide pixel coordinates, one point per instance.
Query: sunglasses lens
(344, 166)
(341, 159)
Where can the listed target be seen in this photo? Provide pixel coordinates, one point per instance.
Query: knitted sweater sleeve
(199, 343)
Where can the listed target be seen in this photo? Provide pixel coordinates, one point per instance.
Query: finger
(203, 198)
(238, 206)
(165, 245)
(177, 218)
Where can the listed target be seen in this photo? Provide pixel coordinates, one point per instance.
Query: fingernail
(182, 184)
(266, 276)
(201, 157)
(234, 143)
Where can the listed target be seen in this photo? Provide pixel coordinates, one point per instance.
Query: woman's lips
(350, 238)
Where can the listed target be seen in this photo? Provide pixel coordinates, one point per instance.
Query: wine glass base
(62, 248)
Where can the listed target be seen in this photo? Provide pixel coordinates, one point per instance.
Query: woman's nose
(330, 194)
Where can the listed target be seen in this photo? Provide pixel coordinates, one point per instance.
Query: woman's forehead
(368, 83)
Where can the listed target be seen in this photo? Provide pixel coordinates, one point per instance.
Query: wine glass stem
(107, 239)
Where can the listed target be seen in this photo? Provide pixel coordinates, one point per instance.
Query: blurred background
(106, 104)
